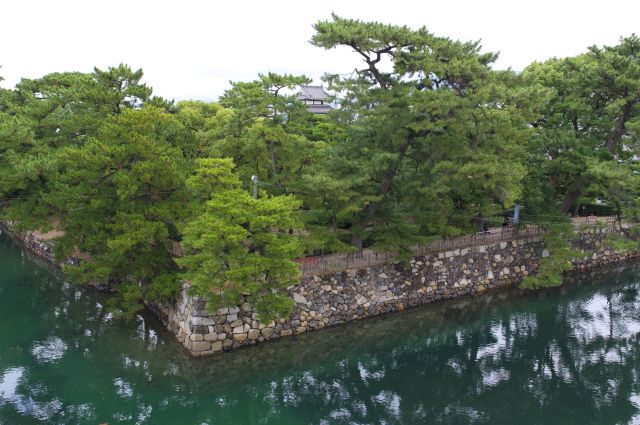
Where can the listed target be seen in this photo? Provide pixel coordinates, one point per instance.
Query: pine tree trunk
(575, 191)
(370, 210)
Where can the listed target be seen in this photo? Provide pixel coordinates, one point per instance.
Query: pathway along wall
(338, 298)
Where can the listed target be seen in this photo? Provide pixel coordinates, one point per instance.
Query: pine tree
(434, 136)
(239, 246)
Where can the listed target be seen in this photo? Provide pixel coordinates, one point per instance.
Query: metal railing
(593, 219)
(367, 257)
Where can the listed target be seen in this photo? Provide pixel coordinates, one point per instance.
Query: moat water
(564, 356)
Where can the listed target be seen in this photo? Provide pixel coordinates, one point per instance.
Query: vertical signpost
(254, 180)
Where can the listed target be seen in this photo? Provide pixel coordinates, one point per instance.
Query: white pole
(254, 180)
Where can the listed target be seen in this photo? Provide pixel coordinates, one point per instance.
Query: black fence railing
(367, 257)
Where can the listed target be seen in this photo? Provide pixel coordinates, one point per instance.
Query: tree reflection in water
(567, 355)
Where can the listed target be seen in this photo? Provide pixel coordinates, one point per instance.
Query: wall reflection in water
(560, 356)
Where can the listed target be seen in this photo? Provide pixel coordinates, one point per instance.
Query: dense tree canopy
(239, 245)
(427, 140)
(434, 133)
(586, 143)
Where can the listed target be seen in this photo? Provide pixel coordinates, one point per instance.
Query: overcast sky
(192, 48)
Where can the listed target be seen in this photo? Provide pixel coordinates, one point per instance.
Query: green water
(567, 356)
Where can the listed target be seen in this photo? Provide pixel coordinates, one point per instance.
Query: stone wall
(31, 242)
(338, 298)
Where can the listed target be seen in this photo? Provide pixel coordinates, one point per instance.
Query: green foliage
(117, 171)
(239, 245)
(587, 136)
(630, 241)
(557, 243)
(119, 87)
(47, 115)
(115, 196)
(263, 134)
(427, 139)
(270, 134)
(432, 139)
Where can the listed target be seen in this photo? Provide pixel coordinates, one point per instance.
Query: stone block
(196, 321)
(200, 329)
(239, 337)
(208, 321)
(199, 345)
(211, 337)
(299, 299)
